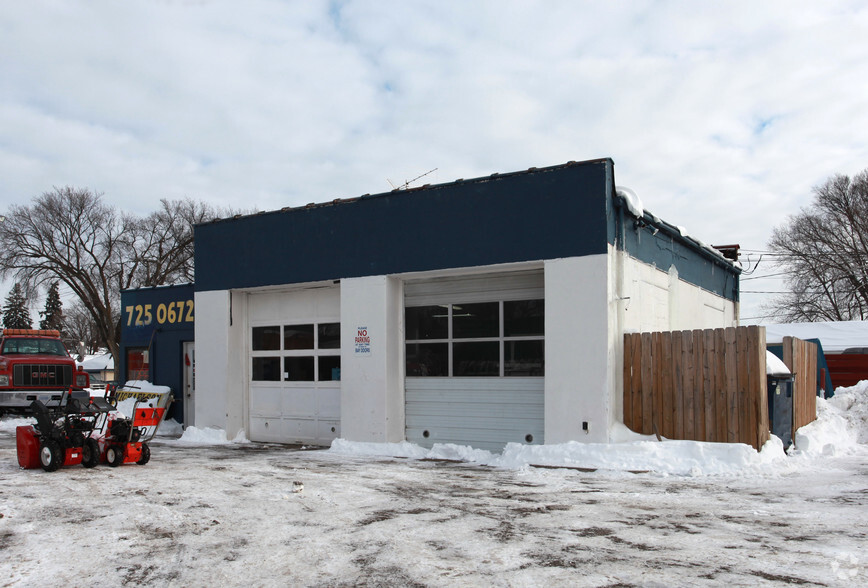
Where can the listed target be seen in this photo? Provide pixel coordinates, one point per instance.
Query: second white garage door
(475, 360)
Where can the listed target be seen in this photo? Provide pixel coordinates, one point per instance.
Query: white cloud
(721, 116)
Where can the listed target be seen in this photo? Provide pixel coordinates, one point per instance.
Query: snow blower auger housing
(64, 434)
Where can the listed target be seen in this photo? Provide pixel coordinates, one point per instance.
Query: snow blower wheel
(146, 455)
(49, 455)
(90, 453)
(114, 455)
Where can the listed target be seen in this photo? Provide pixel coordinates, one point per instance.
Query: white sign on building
(363, 341)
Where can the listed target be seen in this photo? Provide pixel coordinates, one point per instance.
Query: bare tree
(79, 331)
(824, 249)
(73, 236)
(162, 242)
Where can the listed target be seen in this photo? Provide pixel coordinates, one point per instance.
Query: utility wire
(797, 255)
(767, 276)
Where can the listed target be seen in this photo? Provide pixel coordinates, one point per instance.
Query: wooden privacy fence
(801, 357)
(702, 385)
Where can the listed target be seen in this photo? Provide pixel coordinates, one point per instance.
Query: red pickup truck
(35, 365)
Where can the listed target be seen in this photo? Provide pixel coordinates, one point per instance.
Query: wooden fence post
(647, 385)
(688, 382)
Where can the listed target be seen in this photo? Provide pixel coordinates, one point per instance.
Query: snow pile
(209, 436)
(853, 404)
(636, 453)
(446, 451)
(402, 449)
(840, 428)
(9, 424)
(841, 425)
(170, 428)
(680, 458)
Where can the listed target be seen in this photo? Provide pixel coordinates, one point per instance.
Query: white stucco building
(479, 312)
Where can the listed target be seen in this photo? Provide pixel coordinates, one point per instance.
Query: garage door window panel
(476, 359)
(427, 322)
(474, 321)
(524, 358)
(522, 318)
(298, 369)
(329, 336)
(329, 367)
(484, 339)
(266, 369)
(266, 338)
(428, 359)
(298, 337)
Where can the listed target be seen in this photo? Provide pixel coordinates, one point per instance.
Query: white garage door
(475, 360)
(294, 366)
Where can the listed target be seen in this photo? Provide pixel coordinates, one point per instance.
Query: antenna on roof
(406, 184)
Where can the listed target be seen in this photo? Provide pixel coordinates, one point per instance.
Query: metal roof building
(480, 312)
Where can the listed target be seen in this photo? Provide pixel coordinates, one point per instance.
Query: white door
(189, 383)
(475, 360)
(294, 366)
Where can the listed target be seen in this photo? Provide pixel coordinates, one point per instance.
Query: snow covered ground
(210, 512)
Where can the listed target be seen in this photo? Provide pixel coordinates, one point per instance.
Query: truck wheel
(114, 455)
(146, 455)
(50, 455)
(90, 453)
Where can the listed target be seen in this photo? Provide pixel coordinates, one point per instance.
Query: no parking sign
(363, 341)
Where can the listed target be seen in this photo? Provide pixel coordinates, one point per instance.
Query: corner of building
(577, 363)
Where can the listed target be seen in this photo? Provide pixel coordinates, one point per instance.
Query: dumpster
(780, 398)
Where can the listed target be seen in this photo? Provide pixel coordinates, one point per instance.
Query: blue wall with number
(159, 320)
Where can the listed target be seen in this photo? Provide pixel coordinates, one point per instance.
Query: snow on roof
(634, 204)
(95, 363)
(636, 208)
(835, 336)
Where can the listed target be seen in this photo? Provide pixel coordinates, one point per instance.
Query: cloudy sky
(721, 116)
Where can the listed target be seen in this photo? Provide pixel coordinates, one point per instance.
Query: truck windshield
(33, 347)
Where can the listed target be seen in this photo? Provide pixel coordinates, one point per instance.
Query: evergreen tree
(52, 316)
(15, 312)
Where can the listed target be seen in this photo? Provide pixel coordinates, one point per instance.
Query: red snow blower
(126, 439)
(64, 433)
(73, 433)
